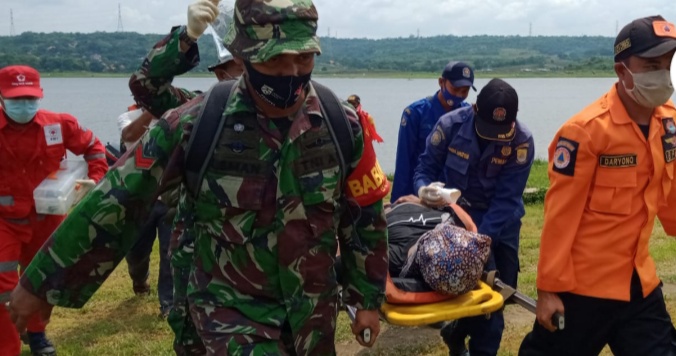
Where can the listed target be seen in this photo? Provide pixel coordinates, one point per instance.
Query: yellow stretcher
(480, 301)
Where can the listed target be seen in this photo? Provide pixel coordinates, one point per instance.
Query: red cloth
(368, 183)
(368, 125)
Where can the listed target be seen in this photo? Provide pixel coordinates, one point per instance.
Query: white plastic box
(55, 194)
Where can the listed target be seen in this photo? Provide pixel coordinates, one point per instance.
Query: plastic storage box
(56, 193)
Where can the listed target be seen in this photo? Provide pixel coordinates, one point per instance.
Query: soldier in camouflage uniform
(151, 86)
(265, 219)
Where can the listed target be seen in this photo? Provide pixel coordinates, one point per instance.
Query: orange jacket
(30, 152)
(607, 185)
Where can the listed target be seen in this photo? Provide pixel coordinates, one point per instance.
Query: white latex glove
(82, 187)
(429, 194)
(200, 14)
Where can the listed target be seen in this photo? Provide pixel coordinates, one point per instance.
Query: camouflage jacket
(265, 220)
(151, 84)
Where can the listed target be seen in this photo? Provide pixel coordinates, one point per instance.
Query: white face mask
(651, 89)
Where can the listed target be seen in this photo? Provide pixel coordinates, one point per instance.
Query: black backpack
(208, 126)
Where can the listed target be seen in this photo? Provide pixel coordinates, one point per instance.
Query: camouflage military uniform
(265, 223)
(174, 55)
(265, 220)
(152, 88)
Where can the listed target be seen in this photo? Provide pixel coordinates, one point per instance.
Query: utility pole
(12, 31)
(120, 28)
(418, 33)
(328, 32)
(617, 24)
(530, 29)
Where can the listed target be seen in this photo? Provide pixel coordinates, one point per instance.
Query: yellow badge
(436, 138)
(521, 155)
(506, 151)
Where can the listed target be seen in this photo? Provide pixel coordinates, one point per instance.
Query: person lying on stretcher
(432, 249)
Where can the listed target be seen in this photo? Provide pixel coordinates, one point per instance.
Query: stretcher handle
(352, 313)
(527, 302)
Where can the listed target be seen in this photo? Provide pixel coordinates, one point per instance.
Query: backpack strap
(204, 136)
(338, 125)
(205, 132)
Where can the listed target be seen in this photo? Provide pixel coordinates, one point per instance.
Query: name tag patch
(618, 161)
(461, 154)
(53, 134)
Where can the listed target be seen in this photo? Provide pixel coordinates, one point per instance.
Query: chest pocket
(456, 171)
(613, 190)
(237, 176)
(317, 167)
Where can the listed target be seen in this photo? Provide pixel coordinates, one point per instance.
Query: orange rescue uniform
(607, 185)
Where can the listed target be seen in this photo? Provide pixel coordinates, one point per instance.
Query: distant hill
(122, 52)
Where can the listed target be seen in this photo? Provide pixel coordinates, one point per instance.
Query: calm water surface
(544, 104)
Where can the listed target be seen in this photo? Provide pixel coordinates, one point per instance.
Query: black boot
(40, 345)
(454, 339)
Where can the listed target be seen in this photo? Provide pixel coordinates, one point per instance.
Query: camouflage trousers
(201, 328)
(187, 342)
(220, 337)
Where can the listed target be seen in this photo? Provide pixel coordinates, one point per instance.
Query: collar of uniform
(619, 114)
(38, 119)
(242, 102)
(614, 105)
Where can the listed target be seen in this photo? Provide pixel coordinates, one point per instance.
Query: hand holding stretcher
(417, 306)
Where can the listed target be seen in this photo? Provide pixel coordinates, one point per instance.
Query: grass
(115, 322)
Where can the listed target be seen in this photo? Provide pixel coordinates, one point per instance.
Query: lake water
(544, 103)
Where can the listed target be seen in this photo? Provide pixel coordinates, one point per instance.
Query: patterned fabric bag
(451, 259)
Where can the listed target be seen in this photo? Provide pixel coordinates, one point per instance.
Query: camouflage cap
(262, 29)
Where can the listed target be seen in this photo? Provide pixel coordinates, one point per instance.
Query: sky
(355, 18)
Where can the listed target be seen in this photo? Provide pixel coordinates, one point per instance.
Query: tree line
(122, 52)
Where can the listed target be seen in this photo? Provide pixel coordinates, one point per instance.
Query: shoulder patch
(522, 155)
(669, 126)
(618, 161)
(669, 148)
(437, 136)
(143, 160)
(403, 121)
(565, 156)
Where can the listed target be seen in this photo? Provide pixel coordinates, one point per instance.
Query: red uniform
(28, 154)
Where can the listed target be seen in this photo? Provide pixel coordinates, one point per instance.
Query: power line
(120, 28)
(12, 31)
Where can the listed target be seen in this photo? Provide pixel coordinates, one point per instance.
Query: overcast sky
(355, 18)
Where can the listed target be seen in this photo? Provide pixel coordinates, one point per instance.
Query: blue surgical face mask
(452, 100)
(21, 111)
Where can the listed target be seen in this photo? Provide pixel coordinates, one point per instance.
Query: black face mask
(281, 92)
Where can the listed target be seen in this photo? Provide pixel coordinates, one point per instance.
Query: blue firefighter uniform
(417, 122)
(492, 181)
